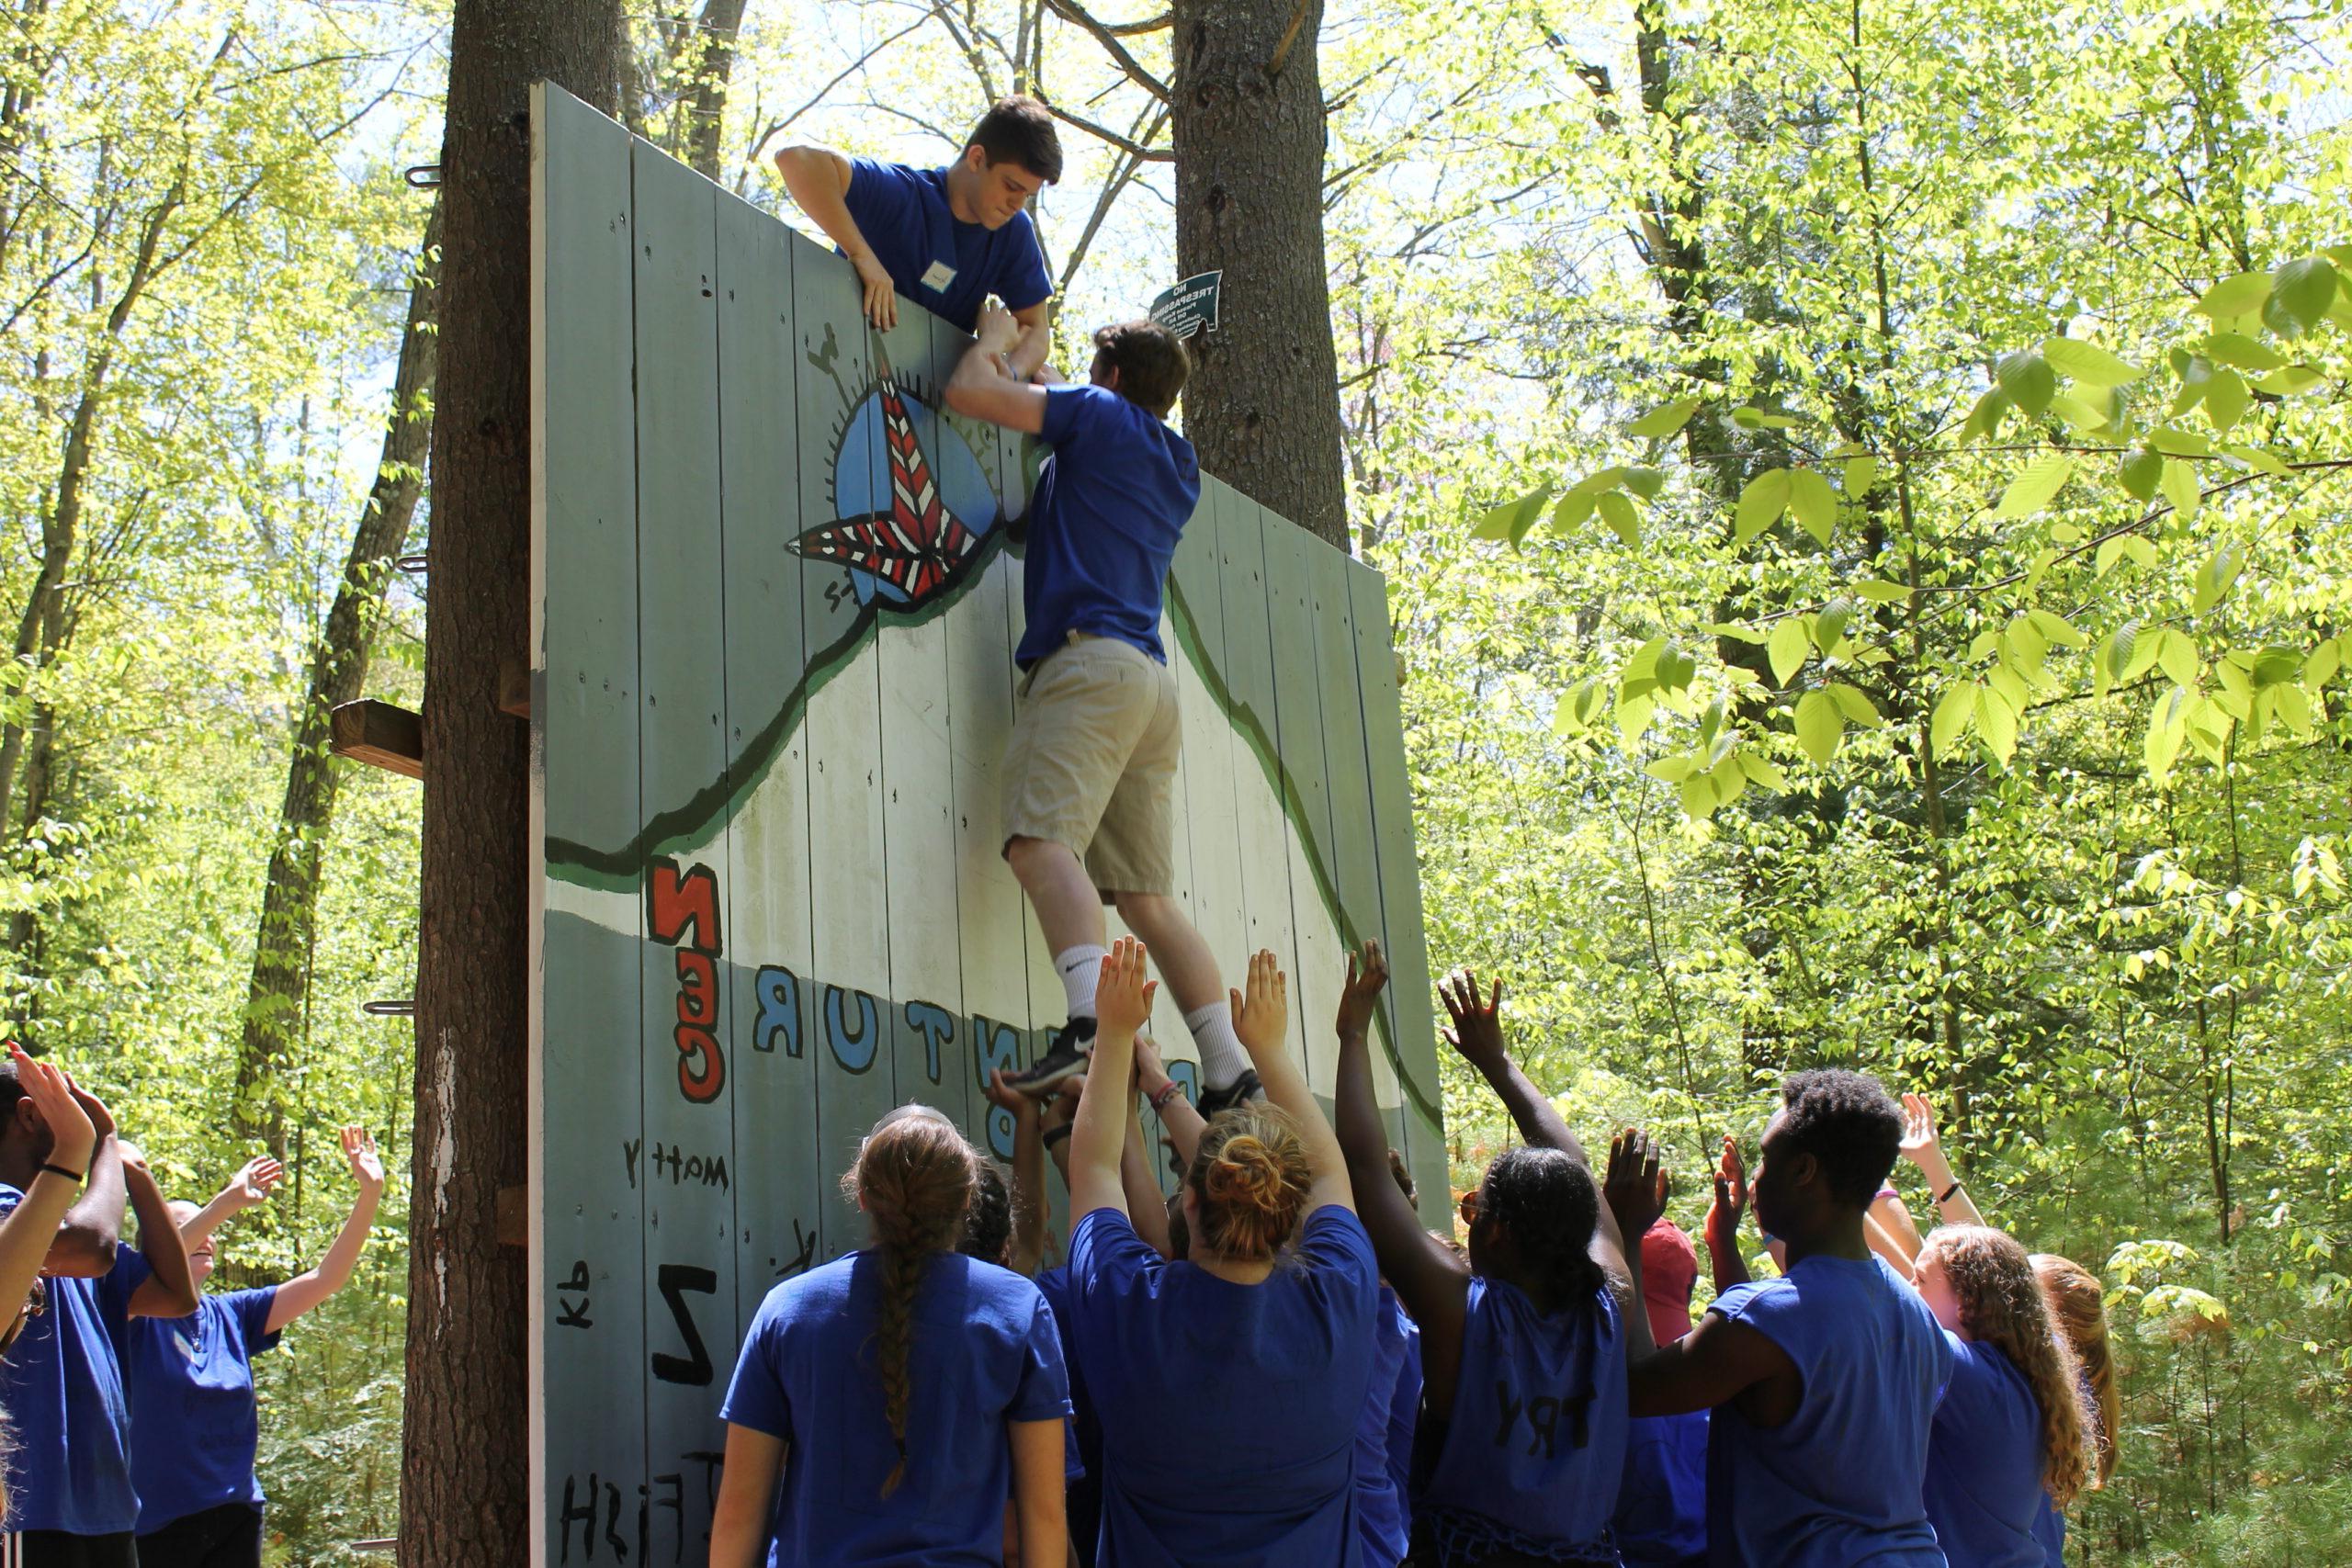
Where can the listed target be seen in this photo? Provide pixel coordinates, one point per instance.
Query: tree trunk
(275, 995)
(465, 1460)
(710, 57)
(1245, 106)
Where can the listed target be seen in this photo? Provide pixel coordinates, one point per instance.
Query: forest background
(1861, 485)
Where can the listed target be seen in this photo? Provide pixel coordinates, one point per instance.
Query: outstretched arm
(299, 1295)
(1478, 1037)
(1427, 1276)
(1146, 1207)
(30, 1228)
(819, 179)
(248, 1188)
(1259, 1018)
(985, 386)
(1122, 1001)
(1028, 1244)
(84, 1246)
(1922, 1149)
(1635, 1193)
(1722, 1228)
(169, 1289)
(1178, 1114)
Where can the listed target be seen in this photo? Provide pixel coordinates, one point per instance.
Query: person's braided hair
(2001, 1304)
(2078, 1304)
(1249, 1179)
(1549, 1204)
(987, 1225)
(914, 1178)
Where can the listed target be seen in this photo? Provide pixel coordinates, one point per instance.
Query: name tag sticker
(938, 276)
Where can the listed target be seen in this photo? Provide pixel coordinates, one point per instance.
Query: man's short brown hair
(1020, 130)
(1150, 360)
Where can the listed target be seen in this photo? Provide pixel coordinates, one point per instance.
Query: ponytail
(2001, 1304)
(2078, 1304)
(914, 1177)
(1250, 1177)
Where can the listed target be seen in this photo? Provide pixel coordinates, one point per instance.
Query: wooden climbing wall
(770, 904)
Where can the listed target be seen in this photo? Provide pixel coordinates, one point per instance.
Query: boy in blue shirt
(1824, 1383)
(1088, 813)
(71, 1502)
(945, 238)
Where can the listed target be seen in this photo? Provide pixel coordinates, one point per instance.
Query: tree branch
(1126, 144)
(1073, 12)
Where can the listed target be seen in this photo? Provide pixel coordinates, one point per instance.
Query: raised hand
(1122, 997)
(252, 1184)
(997, 330)
(1919, 1145)
(1731, 1199)
(1635, 1187)
(1007, 1099)
(1261, 1014)
(881, 294)
(101, 1119)
(1477, 1033)
(367, 1168)
(72, 1134)
(1360, 996)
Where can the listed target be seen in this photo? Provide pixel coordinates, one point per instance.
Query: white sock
(1223, 1059)
(1080, 969)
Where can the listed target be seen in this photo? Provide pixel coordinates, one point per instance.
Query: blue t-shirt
(942, 264)
(1535, 1443)
(61, 1386)
(1230, 1412)
(1404, 1418)
(1983, 1484)
(1662, 1504)
(1111, 503)
(194, 1425)
(2049, 1530)
(1381, 1523)
(1084, 1496)
(984, 1353)
(1838, 1483)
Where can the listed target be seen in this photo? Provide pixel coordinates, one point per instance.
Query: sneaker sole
(1042, 1082)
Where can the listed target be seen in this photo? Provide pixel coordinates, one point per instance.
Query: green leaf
(1605, 478)
(2214, 578)
(1861, 473)
(1645, 482)
(2237, 349)
(1512, 519)
(2089, 363)
(1788, 649)
(2226, 399)
(1617, 511)
(2144, 647)
(1882, 592)
(2027, 380)
(1761, 502)
(2056, 628)
(1763, 773)
(1853, 705)
(2300, 295)
(2291, 381)
(1664, 420)
(1632, 717)
(1737, 630)
(2177, 443)
(1830, 624)
(2195, 377)
(2081, 416)
(2294, 707)
(2176, 656)
(2166, 729)
(2034, 489)
(2322, 663)
(1573, 508)
(2234, 297)
(1814, 504)
(1676, 670)
(1954, 714)
(1669, 769)
(2113, 657)
(2258, 460)
(1997, 723)
(2140, 472)
(1984, 419)
(1819, 725)
(2179, 485)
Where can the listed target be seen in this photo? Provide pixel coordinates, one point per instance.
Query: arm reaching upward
(248, 1188)
(299, 1295)
(84, 1246)
(30, 1228)
(985, 386)
(1921, 1148)
(819, 180)
(1635, 1193)
(1260, 1017)
(169, 1289)
(1722, 1220)
(1122, 1000)
(1028, 1244)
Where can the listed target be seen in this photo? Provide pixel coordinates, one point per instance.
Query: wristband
(1167, 1092)
(1053, 1135)
(1945, 1196)
(75, 1176)
(1885, 1193)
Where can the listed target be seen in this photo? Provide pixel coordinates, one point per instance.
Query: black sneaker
(1246, 1086)
(1065, 1059)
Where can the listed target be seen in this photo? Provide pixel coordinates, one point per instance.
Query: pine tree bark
(465, 1461)
(1246, 110)
(281, 981)
(710, 58)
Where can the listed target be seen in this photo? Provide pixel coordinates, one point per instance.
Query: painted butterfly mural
(911, 527)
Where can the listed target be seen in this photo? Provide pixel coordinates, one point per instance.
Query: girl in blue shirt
(1255, 1350)
(899, 1391)
(1523, 1346)
(2010, 1426)
(2078, 1305)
